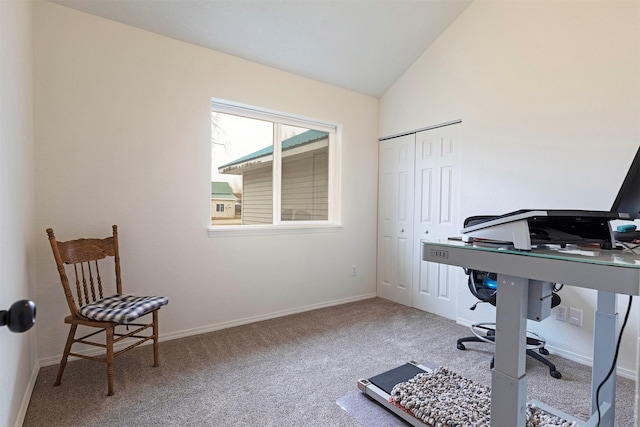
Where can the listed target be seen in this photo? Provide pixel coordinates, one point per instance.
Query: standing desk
(610, 272)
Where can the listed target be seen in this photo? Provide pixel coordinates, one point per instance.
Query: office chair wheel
(461, 346)
(555, 374)
(543, 351)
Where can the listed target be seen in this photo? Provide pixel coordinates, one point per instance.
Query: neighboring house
(223, 201)
(305, 182)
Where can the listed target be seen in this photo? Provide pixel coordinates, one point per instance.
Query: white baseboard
(267, 316)
(54, 360)
(22, 412)
(623, 372)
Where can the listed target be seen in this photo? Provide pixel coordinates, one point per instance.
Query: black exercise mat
(387, 380)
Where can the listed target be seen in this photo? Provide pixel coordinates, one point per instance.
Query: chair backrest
(480, 287)
(83, 258)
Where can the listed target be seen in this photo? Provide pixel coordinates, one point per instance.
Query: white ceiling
(362, 45)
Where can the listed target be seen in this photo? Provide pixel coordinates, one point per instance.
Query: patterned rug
(441, 398)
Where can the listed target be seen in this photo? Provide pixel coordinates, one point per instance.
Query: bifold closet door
(395, 219)
(436, 214)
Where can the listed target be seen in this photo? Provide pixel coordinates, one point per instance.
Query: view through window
(247, 153)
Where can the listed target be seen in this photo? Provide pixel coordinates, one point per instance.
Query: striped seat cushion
(122, 308)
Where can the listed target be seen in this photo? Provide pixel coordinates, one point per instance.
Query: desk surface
(609, 270)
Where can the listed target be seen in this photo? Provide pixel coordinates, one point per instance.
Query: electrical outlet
(561, 313)
(354, 270)
(575, 316)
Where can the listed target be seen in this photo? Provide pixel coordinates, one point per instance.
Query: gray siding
(305, 186)
(257, 196)
(305, 189)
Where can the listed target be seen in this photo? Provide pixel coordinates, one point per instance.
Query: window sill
(267, 230)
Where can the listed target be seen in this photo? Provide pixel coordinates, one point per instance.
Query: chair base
(534, 342)
(111, 337)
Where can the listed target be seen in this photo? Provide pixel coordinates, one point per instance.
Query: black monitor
(628, 199)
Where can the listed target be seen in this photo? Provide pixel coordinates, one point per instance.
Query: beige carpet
(286, 372)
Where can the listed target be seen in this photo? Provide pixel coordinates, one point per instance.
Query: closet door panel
(395, 223)
(437, 217)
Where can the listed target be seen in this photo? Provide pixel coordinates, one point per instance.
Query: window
(271, 169)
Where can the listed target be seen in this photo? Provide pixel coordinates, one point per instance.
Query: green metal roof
(221, 190)
(295, 141)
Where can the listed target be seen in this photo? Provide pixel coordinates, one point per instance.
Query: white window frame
(333, 223)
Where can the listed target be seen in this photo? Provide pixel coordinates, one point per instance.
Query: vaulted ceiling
(361, 45)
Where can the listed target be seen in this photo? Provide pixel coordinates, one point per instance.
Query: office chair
(483, 286)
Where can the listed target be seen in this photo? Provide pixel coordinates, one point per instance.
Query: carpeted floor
(286, 372)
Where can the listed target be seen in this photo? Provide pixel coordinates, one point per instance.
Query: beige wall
(18, 358)
(548, 93)
(123, 137)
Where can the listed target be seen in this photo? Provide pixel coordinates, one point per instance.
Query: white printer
(528, 227)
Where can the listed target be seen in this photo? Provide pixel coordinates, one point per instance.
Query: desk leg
(508, 380)
(604, 346)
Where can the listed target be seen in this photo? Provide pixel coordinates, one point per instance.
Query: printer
(528, 227)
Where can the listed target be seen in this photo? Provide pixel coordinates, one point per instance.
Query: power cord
(615, 360)
(630, 247)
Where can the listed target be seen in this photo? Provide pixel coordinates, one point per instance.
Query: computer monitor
(628, 199)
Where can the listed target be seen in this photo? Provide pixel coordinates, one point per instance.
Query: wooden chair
(83, 259)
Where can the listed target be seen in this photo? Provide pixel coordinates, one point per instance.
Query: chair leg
(552, 368)
(109, 332)
(532, 353)
(65, 355)
(156, 358)
(461, 346)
